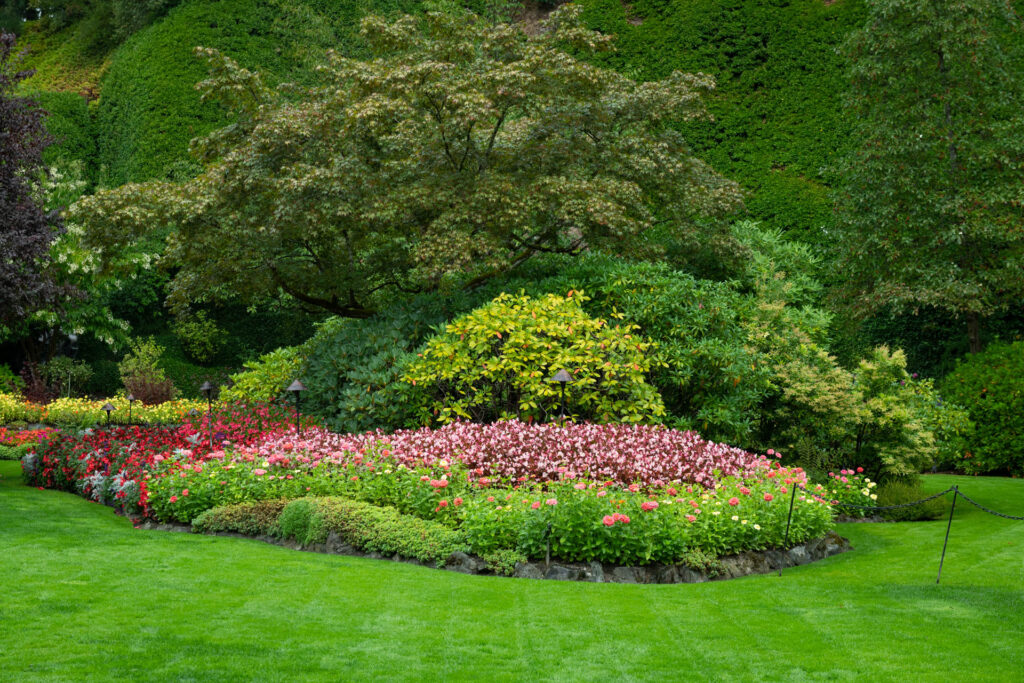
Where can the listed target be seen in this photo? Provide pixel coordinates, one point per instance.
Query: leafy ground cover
(90, 598)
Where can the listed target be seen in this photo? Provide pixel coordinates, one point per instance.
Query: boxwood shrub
(370, 528)
(251, 519)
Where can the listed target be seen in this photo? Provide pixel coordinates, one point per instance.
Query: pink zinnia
(608, 520)
(536, 505)
(184, 492)
(551, 501)
(580, 486)
(691, 518)
(601, 494)
(490, 499)
(174, 499)
(259, 472)
(734, 501)
(769, 497)
(457, 502)
(648, 505)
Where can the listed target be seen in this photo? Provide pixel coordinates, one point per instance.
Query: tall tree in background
(26, 229)
(931, 209)
(462, 149)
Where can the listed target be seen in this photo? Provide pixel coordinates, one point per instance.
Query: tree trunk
(973, 336)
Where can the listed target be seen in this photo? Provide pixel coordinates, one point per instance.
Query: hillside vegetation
(777, 108)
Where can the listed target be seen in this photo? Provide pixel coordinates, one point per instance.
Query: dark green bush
(898, 491)
(990, 385)
(354, 368)
(369, 528)
(251, 519)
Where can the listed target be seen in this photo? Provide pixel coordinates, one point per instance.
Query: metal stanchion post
(949, 526)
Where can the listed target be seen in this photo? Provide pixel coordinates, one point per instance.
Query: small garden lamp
(207, 390)
(107, 408)
(131, 400)
(296, 388)
(563, 378)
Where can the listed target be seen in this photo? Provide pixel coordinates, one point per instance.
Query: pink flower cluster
(517, 451)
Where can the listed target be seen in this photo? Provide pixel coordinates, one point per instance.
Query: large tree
(931, 206)
(27, 229)
(461, 149)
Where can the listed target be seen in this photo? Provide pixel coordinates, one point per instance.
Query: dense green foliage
(778, 116)
(369, 528)
(354, 368)
(497, 363)
(251, 519)
(990, 385)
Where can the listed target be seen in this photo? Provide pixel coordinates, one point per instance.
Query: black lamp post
(107, 408)
(131, 400)
(207, 390)
(563, 378)
(297, 388)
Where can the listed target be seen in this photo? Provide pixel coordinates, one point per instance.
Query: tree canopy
(930, 211)
(460, 149)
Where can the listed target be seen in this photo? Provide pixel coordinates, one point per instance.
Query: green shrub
(66, 377)
(252, 519)
(200, 337)
(899, 491)
(990, 386)
(10, 383)
(503, 561)
(266, 378)
(496, 362)
(14, 452)
(142, 375)
(354, 368)
(369, 528)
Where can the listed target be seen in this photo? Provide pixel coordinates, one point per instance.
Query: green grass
(87, 597)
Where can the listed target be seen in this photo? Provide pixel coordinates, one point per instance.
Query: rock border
(731, 566)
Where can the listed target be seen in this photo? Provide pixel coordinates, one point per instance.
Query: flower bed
(81, 412)
(112, 465)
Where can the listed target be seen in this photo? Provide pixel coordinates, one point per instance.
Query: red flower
(769, 497)
(648, 505)
(734, 501)
(174, 499)
(184, 492)
(608, 520)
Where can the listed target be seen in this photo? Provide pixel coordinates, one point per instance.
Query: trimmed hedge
(777, 108)
(251, 519)
(369, 528)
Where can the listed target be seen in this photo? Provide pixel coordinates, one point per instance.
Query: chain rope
(893, 507)
(982, 507)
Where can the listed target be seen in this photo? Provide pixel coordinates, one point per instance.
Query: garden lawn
(87, 597)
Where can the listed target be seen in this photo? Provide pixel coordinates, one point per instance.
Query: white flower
(757, 526)
(874, 496)
(743, 521)
(735, 518)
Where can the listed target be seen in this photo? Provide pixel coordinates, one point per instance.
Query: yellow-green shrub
(495, 362)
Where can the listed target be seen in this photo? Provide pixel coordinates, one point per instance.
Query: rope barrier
(982, 507)
(893, 507)
(949, 525)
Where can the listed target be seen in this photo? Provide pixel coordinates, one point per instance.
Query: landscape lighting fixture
(131, 400)
(107, 408)
(296, 388)
(563, 378)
